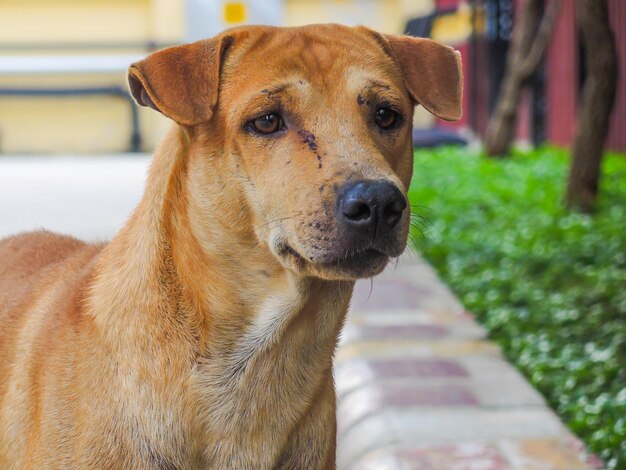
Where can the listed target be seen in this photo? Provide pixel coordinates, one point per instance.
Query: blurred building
(63, 62)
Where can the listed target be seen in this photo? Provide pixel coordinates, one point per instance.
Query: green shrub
(549, 284)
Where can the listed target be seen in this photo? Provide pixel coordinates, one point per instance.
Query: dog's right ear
(180, 82)
(432, 72)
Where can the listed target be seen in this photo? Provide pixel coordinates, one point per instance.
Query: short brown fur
(202, 335)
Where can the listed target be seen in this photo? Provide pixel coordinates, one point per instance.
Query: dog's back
(29, 263)
(34, 268)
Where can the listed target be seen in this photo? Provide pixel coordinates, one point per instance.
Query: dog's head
(313, 126)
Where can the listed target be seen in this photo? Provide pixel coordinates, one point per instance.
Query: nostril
(392, 217)
(392, 213)
(357, 211)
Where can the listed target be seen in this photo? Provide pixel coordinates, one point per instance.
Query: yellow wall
(79, 124)
(85, 124)
(102, 124)
(28, 21)
(387, 16)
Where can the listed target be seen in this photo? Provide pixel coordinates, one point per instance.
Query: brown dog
(202, 335)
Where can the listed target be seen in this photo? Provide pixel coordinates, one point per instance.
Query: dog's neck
(258, 338)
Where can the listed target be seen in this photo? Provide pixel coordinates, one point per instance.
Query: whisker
(420, 208)
(420, 227)
(268, 225)
(420, 223)
(413, 253)
(422, 236)
(421, 218)
(340, 293)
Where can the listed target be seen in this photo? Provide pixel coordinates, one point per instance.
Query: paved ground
(88, 197)
(419, 386)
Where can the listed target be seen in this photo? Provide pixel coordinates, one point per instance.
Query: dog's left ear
(180, 82)
(432, 73)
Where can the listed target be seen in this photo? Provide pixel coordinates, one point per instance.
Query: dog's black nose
(371, 207)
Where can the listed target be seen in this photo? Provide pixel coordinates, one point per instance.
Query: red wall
(562, 78)
(446, 4)
(617, 131)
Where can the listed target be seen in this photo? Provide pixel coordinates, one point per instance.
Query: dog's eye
(268, 124)
(386, 118)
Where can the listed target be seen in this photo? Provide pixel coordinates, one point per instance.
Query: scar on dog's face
(317, 123)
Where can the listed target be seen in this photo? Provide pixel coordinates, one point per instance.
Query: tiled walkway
(420, 387)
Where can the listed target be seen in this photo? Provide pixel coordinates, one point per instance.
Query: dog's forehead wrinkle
(365, 83)
(275, 89)
(373, 83)
(274, 94)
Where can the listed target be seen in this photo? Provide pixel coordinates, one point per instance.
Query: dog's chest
(255, 394)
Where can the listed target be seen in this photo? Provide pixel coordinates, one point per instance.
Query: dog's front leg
(313, 443)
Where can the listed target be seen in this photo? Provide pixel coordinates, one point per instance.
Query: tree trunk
(596, 103)
(531, 35)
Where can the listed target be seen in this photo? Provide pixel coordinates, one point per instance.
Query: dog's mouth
(356, 263)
